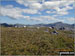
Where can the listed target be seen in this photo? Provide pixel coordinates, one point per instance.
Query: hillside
(56, 25)
(33, 41)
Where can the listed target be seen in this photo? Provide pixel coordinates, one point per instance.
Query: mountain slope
(56, 25)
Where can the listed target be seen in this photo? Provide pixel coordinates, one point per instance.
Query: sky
(37, 11)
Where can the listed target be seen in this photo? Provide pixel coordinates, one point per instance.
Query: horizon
(37, 24)
(36, 11)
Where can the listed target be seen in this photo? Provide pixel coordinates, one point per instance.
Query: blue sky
(36, 11)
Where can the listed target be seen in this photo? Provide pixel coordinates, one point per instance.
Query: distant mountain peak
(57, 25)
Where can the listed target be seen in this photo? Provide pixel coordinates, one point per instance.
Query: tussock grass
(27, 41)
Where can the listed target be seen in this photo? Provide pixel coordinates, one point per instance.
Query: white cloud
(46, 19)
(33, 8)
(16, 12)
(30, 11)
(34, 4)
(66, 0)
(27, 2)
(51, 3)
(42, 18)
(72, 19)
(50, 12)
(62, 13)
(11, 12)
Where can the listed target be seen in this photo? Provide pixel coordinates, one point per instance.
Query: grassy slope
(23, 41)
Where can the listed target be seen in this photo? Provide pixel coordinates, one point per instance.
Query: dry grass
(27, 41)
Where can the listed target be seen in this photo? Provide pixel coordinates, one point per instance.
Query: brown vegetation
(21, 41)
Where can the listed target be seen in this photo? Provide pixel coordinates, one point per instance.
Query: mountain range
(56, 25)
